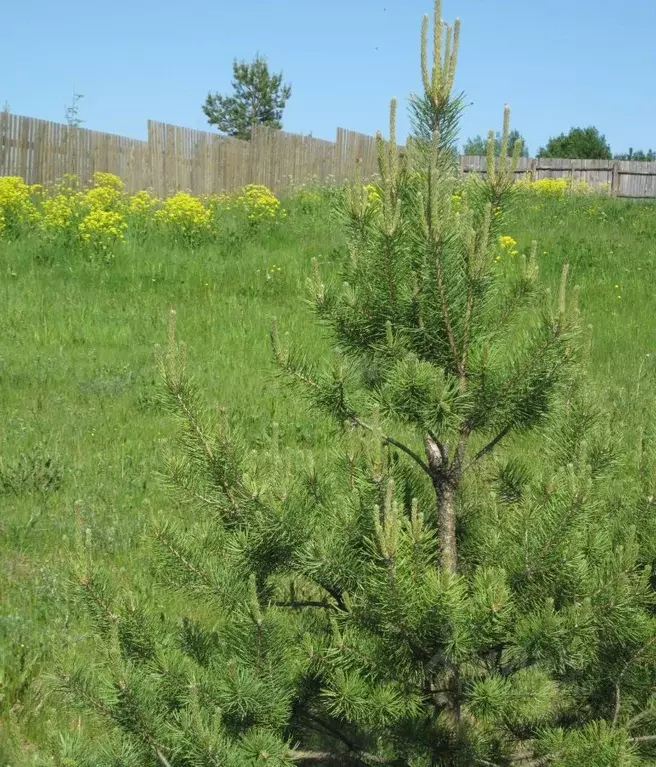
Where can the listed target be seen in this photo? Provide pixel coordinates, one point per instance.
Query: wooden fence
(42, 152)
(624, 178)
(174, 158)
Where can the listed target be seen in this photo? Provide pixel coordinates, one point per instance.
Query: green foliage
(477, 146)
(578, 144)
(426, 118)
(435, 113)
(259, 98)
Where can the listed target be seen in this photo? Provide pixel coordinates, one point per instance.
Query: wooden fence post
(615, 180)
(5, 139)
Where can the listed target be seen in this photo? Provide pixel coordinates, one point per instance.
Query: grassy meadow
(83, 434)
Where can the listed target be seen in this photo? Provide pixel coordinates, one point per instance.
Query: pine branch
(525, 758)
(335, 593)
(161, 758)
(319, 725)
(87, 584)
(524, 368)
(175, 478)
(72, 686)
(553, 538)
(489, 447)
(625, 668)
(189, 566)
(446, 317)
(395, 443)
(467, 323)
(182, 393)
(305, 377)
(309, 603)
(196, 427)
(475, 251)
(108, 713)
(362, 759)
(618, 705)
(639, 717)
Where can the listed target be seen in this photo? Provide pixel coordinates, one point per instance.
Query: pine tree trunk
(446, 515)
(445, 486)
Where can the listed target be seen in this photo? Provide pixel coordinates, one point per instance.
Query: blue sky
(557, 63)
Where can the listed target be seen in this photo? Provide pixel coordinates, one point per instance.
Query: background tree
(259, 98)
(477, 146)
(72, 111)
(638, 155)
(467, 583)
(578, 144)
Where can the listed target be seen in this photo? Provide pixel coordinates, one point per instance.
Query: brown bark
(447, 521)
(444, 482)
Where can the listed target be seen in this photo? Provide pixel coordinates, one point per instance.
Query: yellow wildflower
(259, 203)
(16, 207)
(184, 217)
(61, 212)
(100, 230)
(108, 181)
(373, 193)
(507, 242)
(103, 198)
(141, 203)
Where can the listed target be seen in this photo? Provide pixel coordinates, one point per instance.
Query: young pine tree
(259, 98)
(467, 584)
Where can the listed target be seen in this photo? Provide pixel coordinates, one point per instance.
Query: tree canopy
(578, 144)
(477, 145)
(637, 155)
(259, 98)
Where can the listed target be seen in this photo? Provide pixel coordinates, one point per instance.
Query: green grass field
(82, 435)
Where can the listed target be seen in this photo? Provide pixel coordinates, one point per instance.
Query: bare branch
(309, 603)
(638, 718)
(162, 759)
(446, 318)
(408, 452)
(395, 443)
(643, 739)
(618, 705)
(625, 668)
(489, 447)
(337, 759)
